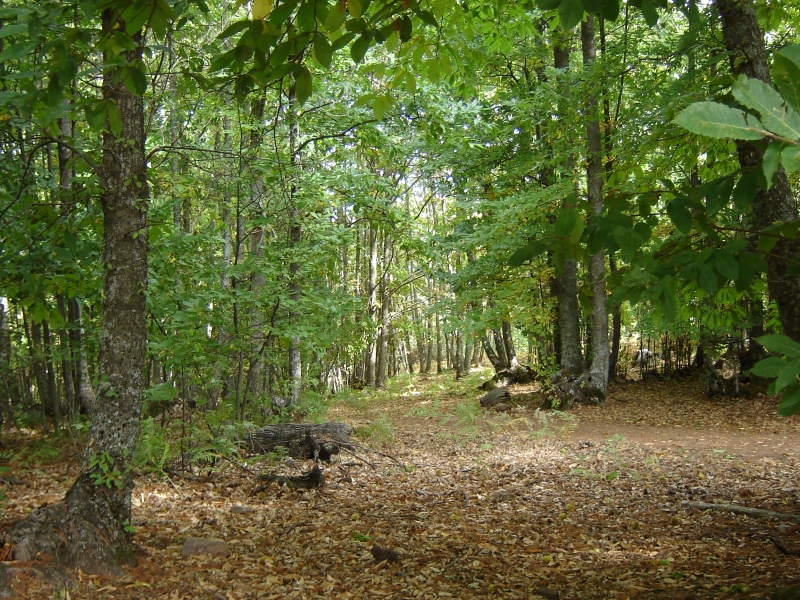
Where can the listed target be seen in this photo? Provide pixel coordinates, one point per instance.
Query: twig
(235, 464)
(352, 448)
(744, 510)
(352, 451)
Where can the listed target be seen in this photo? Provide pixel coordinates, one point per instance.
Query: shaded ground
(489, 505)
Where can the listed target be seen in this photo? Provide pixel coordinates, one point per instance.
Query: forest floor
(522, 504)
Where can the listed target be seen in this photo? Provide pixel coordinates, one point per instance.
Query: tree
(94, 516)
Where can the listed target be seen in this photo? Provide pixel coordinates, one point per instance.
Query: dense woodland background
(320, 195)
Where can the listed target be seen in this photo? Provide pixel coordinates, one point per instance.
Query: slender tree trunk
(84, 391)
(295, 237)
(491, 354)
(508, 345)
(385, 286)
(500, 348)
(744, 39)
(39, 369)
(52, 388)
(373, 305)
(438, 345)
(598, 371)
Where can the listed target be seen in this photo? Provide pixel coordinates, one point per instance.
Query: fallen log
(495, 396)
(744, 510)
(301, 440)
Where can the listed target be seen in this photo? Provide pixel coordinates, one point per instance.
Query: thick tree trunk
(598, 371)
(744, 39)
(88, 529)
(568, 309)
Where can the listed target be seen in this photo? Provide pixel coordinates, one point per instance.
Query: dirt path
(489, 505)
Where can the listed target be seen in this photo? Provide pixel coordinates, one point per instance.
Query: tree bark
(744, 39)
(568, 309)
(508, 345)
(372, 352)
(598, 371)
(295, 237)
(88, 529)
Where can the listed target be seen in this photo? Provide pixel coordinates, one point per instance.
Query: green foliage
(104, 471)
(154, 451)
(784, 369)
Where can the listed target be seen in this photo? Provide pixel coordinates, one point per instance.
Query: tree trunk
(385, 292)
(84, 391)
(745, 41)
(508, 345)
(598, 371)
(372, 352)
(52, 388)
(295, 237)
(88, 529)
(568, 309)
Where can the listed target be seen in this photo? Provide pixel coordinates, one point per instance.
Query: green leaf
(745, 191)
(707, 279)
(680, 215)
(360, 47)
(566, 222)
(17, 51)
(782, 344)
(792, 52)
(222, 61)
(609, 9)
(769, 367)
(323, 51)
(788, 375)
(719, 121)
(305, 19)
(114, 119)
(719, 195)
(427, 17)
(526, 253)
(548, 4)
(790, 401)
(406, 29)
(303, 84)
(725, 263)
(649, 12)
(136, 81)
(8, 30)
(790, 159)
(786, 77)
(570, 13)
(379, 106)
(335, 18)
(772, 160)
(354, 6)
(670, 303)
(747, 271)
(775, 115)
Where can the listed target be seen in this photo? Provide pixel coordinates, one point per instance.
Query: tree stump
(495, 396)
(301, 440)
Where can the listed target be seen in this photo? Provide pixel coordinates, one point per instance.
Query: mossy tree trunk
(87, 529)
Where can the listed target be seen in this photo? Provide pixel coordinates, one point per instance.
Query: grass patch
(379, 431)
